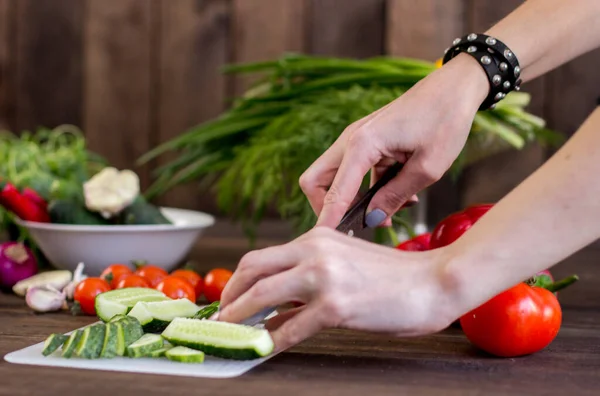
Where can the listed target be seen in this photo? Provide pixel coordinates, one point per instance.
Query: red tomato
(152, 274)
(519, 321)
(86, 292)
(176, 288)
(192, 277)
(214, 283)
(419, 243)
(132, 281)
(114, 272)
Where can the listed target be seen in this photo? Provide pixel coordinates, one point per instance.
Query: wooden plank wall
(134, 73)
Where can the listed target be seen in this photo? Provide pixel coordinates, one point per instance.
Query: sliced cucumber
(91, 341)
(114, 341)
(185, 355)
(145, 345)
(156, 316)
(53, 343)
(132, 329)
(159, 352)
(222, 339)
(207, 311)
(116, 318)
(120, 301)
(68, 348)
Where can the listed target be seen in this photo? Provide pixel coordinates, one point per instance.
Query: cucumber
(114, 341)
(185, 355)
(53, 342)
(145, 345)
(159, 352)
(156, 316)
(117, 318)
(91, 341)
(207, 311)
(132, 329)
(221, 339)
(120, 301)
(68, 348)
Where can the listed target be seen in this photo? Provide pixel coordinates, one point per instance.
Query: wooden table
(341, 362)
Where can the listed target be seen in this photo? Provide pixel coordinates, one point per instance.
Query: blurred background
(135, 73)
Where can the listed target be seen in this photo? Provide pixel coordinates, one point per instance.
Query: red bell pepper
(22, 206)
(419, 243)
(452, 227)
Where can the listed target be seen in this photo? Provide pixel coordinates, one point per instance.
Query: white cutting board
(211, 368)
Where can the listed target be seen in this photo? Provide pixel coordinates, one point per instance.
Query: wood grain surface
(339, 362)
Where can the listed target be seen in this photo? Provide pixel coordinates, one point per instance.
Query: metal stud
(491, 51)
(498, 96)
(496, 79)
(446, 50)
(508, 54)
(492, 107)
(472, 49)
(471, 37)
(490, 41)
(503, 66)
(506, 84)
(517, 88)
(517, 71)
(456, 41)
(486, 60)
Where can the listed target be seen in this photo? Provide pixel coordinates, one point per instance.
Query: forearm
(547, 33)
(551, 215)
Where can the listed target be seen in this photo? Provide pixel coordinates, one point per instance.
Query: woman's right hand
(425, 128)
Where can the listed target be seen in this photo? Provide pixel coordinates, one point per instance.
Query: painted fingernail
(375, 217)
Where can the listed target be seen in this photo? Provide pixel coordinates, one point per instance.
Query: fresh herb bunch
(53, 162)
(254, 153)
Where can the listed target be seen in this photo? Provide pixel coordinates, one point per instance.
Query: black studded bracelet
(498, 61)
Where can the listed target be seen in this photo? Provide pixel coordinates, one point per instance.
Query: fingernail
(215, 316)
(375, 217)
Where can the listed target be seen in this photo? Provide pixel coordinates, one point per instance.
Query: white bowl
(164, 245)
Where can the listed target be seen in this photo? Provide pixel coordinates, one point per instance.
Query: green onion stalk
(253, 154)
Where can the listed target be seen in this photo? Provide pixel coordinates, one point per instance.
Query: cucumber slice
(221, 339)
(132, 329)
(159, 352)
(156, 316)
(53, 342)
(145, 345)
(68, 348)
(185, 355)
(117, 318)
(91, 341)
(114, 341)
(207, 311)
(120, 301)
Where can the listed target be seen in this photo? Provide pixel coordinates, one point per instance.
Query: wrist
(472, 82)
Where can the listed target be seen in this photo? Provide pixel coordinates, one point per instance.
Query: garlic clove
(45, 299)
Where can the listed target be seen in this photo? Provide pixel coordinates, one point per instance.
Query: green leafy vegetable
(254, 154)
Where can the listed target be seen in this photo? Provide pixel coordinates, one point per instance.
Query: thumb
(399, 192)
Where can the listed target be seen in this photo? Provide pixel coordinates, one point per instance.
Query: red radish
(17, 262)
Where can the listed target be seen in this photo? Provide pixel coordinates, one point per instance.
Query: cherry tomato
(214, 283)
(192, 277)
(519, 321)
(114, 272)
(176, 288)
(419, 243)
(132, 281)
(152, 274)
(86, 292)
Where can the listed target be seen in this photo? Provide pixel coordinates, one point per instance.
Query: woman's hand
(344, 282)
(426, 128)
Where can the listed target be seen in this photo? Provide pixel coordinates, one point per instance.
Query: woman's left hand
(344, 282)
